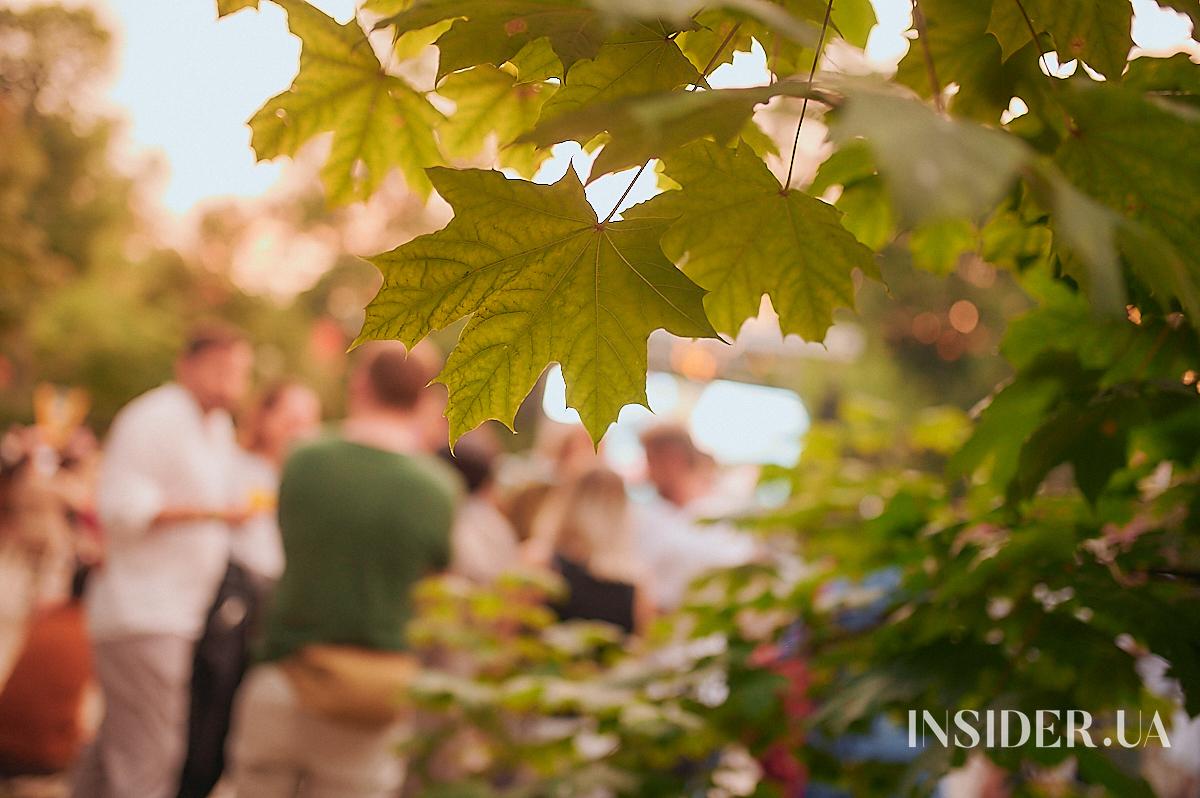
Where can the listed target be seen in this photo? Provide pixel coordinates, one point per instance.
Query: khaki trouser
(139, 748)
(279, 749)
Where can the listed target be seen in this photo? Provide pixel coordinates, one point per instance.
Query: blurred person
(284, 414)
(45, 711)
(364, 514)
(45, 658)
(522, 506)
(484, 542)
(166, 505)
(672, 542)
(45, 499)
(594, 553)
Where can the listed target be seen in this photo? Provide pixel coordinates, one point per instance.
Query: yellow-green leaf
(740, 235)
(641, 61)
(542, 281)
(229, 6)
(378, 121)
(488, 100)
(963, 52)
(494, 31)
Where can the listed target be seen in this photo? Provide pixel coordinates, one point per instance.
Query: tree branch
(804, 107)
(935, 85)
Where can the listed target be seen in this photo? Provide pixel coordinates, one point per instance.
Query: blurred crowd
(216, 598)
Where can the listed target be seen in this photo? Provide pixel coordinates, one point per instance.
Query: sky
(188, 83)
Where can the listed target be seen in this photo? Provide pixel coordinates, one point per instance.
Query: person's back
(593, 598)
(360, 526)
(363, 516)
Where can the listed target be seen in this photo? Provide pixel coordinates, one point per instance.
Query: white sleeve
(129, 495)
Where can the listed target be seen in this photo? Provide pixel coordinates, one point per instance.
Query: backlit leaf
(651, 126)
(1094, 31)
(494, 31)
(229, 6)
(378, 121)
(488, 100)
(740, 236)
(641, 61)
(541, 281)
(1140, 159)
(963, 52)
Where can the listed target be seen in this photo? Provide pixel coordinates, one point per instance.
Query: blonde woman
(593, 551)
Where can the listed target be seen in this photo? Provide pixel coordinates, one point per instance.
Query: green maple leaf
(542, 281)
(1142, 159)
(377, 120)
(488, 100)
(229, 6)
(494, 31)
(963, 52)
(739, 235)
(641, 61)
(1094, 31)
(1175, 79)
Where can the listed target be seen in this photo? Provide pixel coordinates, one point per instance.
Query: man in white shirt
(165, 500)
(674, 546)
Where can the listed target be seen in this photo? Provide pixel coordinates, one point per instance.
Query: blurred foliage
(86, 296)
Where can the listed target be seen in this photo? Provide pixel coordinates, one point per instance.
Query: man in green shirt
(364, 514)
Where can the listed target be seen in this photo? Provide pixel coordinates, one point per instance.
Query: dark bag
(221, 658)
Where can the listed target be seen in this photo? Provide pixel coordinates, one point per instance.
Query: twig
(804, 107)
(923, 34)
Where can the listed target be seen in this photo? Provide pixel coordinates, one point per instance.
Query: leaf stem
(1037, 42)
(625, 193)
(935, 85)
(703, 74)
(812, 72)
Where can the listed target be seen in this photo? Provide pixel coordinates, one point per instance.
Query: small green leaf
(541, 281)
(378, 121)
(938, 245)
(1139, 158)
(740, 236)
(411, 43)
